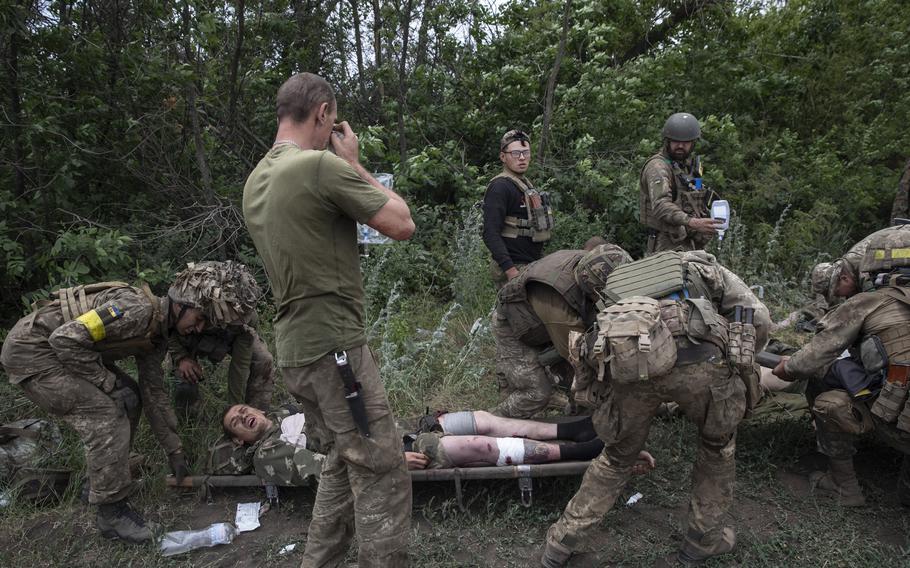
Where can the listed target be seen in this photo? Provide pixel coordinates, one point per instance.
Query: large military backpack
(634, 340)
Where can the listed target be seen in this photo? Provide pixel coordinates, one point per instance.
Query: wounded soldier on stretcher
(276, 442)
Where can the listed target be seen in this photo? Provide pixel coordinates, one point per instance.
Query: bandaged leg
(511, 451)
(459, 423)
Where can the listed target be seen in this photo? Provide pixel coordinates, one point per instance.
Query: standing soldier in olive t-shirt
(516, 217)
(301, 205)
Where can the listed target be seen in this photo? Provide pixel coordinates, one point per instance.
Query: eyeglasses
(520, 154)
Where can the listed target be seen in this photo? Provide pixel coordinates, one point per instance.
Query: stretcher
(523, 473)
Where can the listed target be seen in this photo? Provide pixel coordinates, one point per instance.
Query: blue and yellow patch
(95, 320)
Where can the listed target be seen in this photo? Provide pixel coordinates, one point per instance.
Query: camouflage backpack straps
(77, 300)
(634, 340)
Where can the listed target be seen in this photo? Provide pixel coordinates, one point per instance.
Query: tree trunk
(235, 63)
(423, 34)
(358, 48)
(405, 19)
(205, 174)
(679, 13)
(12, 73)
(377, 52)
(551, 83)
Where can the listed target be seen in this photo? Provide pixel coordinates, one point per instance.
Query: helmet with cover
(887, 251)
(592, 270)
(225, 291)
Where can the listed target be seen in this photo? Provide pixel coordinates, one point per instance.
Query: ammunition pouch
(893, 396)
(741, 344)
(539, 223)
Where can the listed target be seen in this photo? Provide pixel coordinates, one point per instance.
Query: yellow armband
(95, 320)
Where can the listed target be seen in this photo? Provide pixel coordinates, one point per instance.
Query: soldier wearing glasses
(517, 219)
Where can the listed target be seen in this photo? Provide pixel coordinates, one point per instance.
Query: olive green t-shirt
(300, 207)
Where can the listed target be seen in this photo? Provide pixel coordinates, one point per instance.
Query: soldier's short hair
(300, 95)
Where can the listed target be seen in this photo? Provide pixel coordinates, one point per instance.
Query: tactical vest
(556, 270)
(685, 306)
(895, 339)
(539, 221)
(695, 202)
(78, 300)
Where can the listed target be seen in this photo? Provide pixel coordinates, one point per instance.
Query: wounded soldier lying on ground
(274, 445)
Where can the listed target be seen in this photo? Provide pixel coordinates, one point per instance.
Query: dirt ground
(778, 521)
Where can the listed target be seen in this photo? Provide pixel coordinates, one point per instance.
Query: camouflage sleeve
(123, 317)
(155, 399)
(177, 349)
(241, 357)
(658, 179)
(842, 327)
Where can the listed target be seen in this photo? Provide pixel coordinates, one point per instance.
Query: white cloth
(292, 430)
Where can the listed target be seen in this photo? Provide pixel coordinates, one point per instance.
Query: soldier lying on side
(275, 445)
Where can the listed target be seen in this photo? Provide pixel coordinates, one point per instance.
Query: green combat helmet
(592, 270)
(226, 292)
(681, 127)
(887, 251)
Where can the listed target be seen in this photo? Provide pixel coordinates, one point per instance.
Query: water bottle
(720, 211)
(178, 542)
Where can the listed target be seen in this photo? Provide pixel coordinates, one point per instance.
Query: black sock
(584, 451)
(581, 430)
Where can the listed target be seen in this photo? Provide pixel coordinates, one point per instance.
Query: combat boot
(839, 482)
(693, 553)
(119, 520)
(554, 555)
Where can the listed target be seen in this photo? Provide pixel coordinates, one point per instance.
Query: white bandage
(511, 451)
(292, 431)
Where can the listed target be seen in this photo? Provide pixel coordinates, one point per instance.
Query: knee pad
(459, 423)
(834, 410)
(511, 451)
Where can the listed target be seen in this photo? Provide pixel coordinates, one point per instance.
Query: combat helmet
(824, 278)
(682, 127)
(592, 270)
(225, 291)
(887, 251)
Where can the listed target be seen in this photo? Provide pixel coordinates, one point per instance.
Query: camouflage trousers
(521, 376)
(364, 484)
(712, 397)
(105, 426)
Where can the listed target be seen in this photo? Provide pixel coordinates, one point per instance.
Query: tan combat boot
(697, 553)
(839, 482)
(554, 555)
(119, 520)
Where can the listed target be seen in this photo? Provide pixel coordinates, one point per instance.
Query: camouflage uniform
(536, 309)
(364, 482)
(709, 392)
(867, 313)
(273, 459)
(250, 377)
(666, 203)
(64, 365)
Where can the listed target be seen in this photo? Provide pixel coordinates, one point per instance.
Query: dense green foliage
(129, 127)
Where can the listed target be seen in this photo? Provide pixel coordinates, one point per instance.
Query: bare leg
(466, 451)
(499, 427)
